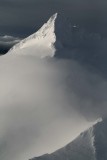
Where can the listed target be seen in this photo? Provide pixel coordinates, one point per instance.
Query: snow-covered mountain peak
(58, 37)
(53, 18)
(39, 43)
(89, 145)
(47, 29)
(53, 35)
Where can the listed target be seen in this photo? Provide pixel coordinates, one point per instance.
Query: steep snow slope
(89, 145)
(42, 41)
(80, 149)
(100, 142)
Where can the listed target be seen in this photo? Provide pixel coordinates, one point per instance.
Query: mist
(45, 104)
(6, 42)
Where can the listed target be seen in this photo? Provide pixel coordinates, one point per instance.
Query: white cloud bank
(9, 40)
(6, 42)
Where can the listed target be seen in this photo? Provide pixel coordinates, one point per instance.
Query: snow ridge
(89, 145)
(82, 148)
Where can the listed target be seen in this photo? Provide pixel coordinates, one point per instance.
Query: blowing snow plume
(46, 90)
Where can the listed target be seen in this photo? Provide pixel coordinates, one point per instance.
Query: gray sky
(22, 17)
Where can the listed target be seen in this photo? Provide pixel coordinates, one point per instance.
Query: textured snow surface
(89, 145)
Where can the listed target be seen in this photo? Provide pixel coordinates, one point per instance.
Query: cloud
(42, 101)
(6, 42)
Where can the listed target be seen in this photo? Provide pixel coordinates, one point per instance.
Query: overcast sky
(22, 17)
